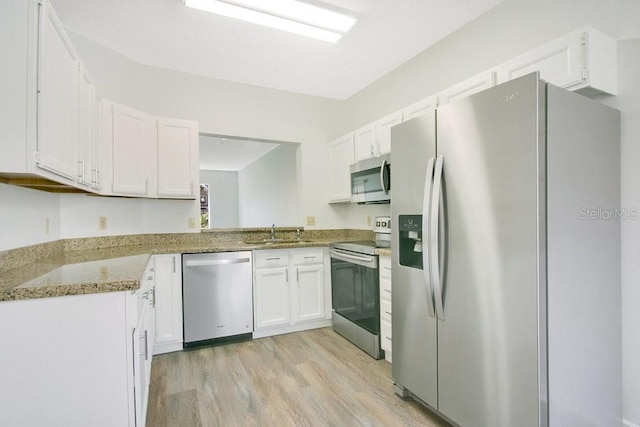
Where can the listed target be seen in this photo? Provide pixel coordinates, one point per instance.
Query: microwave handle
(383, 183)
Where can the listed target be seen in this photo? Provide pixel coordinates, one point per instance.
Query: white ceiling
(230, 154)
(167, 34)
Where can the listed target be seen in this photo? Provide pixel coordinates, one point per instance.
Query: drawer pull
(388, 338)
(387, 290)
(387, 312)
(310, 257)
(273, 259)
(387, 268)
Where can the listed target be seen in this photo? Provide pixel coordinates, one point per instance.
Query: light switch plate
(311, 220)
(102, 223)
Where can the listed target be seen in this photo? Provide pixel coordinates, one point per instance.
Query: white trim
(267, 332)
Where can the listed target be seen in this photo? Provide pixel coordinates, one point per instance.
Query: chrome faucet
(273, 232)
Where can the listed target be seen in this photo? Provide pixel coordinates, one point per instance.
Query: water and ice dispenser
(410, 239)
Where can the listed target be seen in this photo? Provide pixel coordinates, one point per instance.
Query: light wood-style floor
(311, 378)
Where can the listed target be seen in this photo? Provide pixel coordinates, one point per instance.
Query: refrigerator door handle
(428, 182)
(383, 181)
(434, 266)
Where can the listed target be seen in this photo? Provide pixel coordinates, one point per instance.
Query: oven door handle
(347, 256)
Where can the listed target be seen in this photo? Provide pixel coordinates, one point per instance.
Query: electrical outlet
(102, 223)
(369, 220)
(46, 225)
(311, 220)
(192, 222)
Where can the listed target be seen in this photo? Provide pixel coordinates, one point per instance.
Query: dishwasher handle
(214, 262)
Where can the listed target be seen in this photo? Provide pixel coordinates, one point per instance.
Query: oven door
(355, 288)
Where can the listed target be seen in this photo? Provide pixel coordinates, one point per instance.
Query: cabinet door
(559, 62)
(271, 301)
(130, 150)
(419, 108)
(87, 144)
(365, 143)
(468, 87)
(57, 97)
(177, 158)
(383, 131)
(309, 293)
(168, 303)
(341, 156)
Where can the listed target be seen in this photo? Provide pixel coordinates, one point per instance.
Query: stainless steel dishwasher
(217, 295)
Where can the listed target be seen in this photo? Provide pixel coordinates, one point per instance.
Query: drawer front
(270, 258)
(385, 288)
(385, 267)
(308, 256)
(385, 336)
(385, 310)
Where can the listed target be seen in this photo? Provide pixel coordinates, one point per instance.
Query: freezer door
(414, 345)
(490, 372)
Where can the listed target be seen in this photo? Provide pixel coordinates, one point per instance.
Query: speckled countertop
(116, 263)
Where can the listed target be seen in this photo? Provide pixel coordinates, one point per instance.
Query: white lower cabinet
(79, 360)
(167, 276)
(385, 306)
(291, 290)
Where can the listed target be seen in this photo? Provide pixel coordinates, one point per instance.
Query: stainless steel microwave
(371, 180)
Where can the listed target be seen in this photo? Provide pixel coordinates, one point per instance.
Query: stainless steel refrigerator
(506, 259)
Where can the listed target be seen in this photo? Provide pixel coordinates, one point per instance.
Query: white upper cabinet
(419, 108)
(365, 144)
(54, 126)
(383, 131)
(88, 141)
(341, 156)
(468, 87)
(584, 60)
(177, 171)
(58, 72)
(131, 149)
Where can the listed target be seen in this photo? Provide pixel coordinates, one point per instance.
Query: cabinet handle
(174, 263)
(387, 290)
(273, 259)
(387, 312)
(388, 338)
(310, 257)
(146, 186)
(297, 274)
(287, 274)
(146, 345)
(387, 268)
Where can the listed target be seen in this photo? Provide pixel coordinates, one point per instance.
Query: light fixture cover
(288, 15)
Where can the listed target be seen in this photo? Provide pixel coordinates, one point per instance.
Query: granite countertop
(117, 268)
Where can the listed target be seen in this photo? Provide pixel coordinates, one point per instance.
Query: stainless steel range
(356, 294)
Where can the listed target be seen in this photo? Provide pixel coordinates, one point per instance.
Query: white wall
(629, 103)
(268, 190)
(223, 197)
(23, 217)
(79, 215)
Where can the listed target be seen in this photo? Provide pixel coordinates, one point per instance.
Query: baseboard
(292, 328)
(629, 424)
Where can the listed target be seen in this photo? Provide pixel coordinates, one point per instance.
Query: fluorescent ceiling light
(288, 15)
